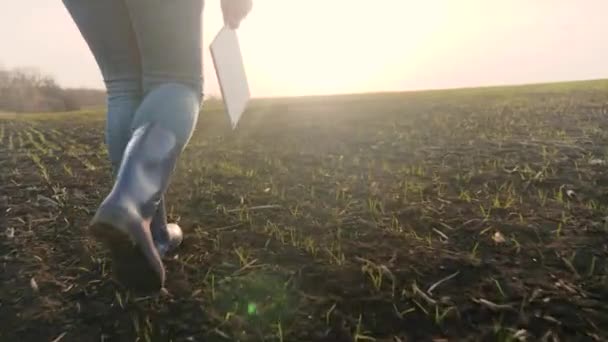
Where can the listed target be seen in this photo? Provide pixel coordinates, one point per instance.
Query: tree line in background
(29, 90)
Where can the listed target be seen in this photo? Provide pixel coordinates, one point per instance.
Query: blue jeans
(150, 56)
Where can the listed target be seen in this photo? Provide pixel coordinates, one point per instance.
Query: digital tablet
(230, 71)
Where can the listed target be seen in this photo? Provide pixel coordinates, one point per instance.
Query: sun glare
(295, 47)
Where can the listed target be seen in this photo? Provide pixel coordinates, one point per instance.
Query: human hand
(235, 11)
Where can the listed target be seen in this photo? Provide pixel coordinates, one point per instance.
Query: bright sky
(301, 47)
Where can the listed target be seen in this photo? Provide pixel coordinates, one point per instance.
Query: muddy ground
(449, 216)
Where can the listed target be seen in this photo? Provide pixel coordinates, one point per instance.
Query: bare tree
(30, 90)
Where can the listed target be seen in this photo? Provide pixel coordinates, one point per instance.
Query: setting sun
(336, 46)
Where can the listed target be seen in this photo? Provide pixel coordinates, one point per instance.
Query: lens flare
(252, 309)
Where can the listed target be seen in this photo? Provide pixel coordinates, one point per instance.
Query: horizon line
(410, 90)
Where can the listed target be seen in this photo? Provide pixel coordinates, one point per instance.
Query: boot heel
(135, 262)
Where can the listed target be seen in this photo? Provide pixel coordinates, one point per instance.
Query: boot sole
(135, 261)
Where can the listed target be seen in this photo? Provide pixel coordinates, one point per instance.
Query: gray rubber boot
(167, 236)
(122, 221)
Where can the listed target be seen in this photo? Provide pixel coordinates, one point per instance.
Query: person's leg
(106, 28)
(170, 40)
(169, 37)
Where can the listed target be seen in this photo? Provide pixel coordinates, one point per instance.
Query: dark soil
(457, 215)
